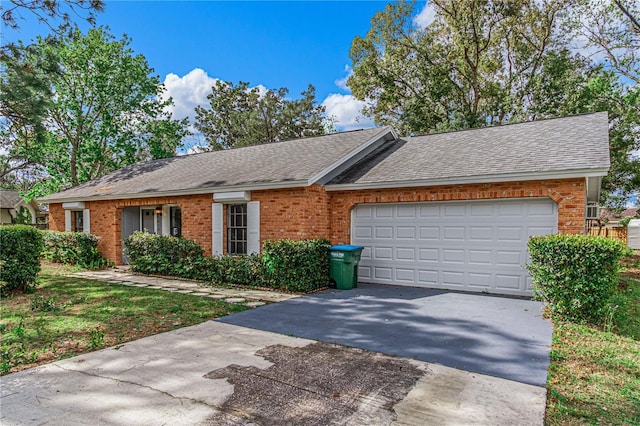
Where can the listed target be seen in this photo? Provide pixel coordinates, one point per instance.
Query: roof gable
(538, 149)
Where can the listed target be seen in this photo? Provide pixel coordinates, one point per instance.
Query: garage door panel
(509, 258)
(481, 257)
(479, 280)
(406, 253)
(405, 275)
(382, 273)
(508, 282)
(454, 233)
(481, 233)
(430, 233)
(363, 232)
(428, 277)
(384, 232)
(453, 278)
(383, 253)
(453, 255)
(472, 245)
(406, 232)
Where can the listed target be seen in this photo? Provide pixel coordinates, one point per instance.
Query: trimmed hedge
(163, 255)
(21, 247)
(73, 248)
(299, 266)
(576, 274)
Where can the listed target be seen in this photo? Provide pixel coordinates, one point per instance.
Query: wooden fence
(614, 232)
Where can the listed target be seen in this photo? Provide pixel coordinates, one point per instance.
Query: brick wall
(312, 212)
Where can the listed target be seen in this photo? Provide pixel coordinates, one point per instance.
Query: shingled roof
(561, 147)
(575, 146)
(9, 199)
(284, 164)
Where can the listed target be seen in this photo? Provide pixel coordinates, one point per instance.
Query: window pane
(237, 228)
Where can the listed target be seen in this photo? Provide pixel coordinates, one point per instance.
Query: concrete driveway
(222, 374)
(497, 336)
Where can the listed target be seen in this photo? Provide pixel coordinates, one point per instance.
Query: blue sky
(272, 44)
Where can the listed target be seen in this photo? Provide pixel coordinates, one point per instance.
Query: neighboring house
(451, 210)
(610, 218)
(11, 204)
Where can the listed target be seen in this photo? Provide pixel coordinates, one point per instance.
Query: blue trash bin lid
(346, 247)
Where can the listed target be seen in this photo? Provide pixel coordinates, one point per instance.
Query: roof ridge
(499, 126)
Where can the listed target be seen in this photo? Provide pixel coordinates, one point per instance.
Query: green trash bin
(343, 263)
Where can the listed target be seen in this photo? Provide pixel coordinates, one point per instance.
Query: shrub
(285, 264)
(576, 274)
(21, 247)
(296, 265)
(163, 255)
(231, 269)
(73, 248)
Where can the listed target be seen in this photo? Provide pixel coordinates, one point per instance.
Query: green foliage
(73, 248)
(19, 258)
(108, 111)
(23, 216)
(288, 265)
(242, 116)
(163, 255)
(576, 274)
(231, 269)
(297, 265)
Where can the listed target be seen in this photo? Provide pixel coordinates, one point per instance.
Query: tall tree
(472, 66)
(238, 115)
(611, 30)
(106, 111)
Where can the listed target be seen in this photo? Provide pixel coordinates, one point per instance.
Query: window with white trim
(237, 229)
(78, 220)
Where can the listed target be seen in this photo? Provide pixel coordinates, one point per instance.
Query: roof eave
(180, 192)
(461, 180)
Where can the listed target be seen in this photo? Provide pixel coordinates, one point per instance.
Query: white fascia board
(582, 173)
(74, 205)
(231, 197)
(177, 193)
(387, 134)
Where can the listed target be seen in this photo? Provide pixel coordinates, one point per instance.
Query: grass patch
(594, 376)
(67, 316)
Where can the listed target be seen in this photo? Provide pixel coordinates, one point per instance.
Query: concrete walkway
(251, 297)
(221, 374)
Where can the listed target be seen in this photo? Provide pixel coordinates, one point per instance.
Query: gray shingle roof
(293, 162)
(9, 199)
(539, 147)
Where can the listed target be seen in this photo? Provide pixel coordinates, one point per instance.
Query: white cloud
(347, 112)
(342, 82)
(188, 92)
(426, 16)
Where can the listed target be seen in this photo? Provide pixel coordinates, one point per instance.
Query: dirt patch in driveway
(317, 384)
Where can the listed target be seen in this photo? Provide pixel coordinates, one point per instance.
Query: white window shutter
(86, 221)
(217, 224)
(253, 227)
(67, 220)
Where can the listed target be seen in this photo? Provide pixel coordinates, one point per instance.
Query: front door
(130, 224)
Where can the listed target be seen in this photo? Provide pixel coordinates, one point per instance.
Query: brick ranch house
(452, 210)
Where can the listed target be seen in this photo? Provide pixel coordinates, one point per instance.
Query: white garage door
(471, 246)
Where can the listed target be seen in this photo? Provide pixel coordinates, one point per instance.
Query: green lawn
(594, 376)
(67, 316)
